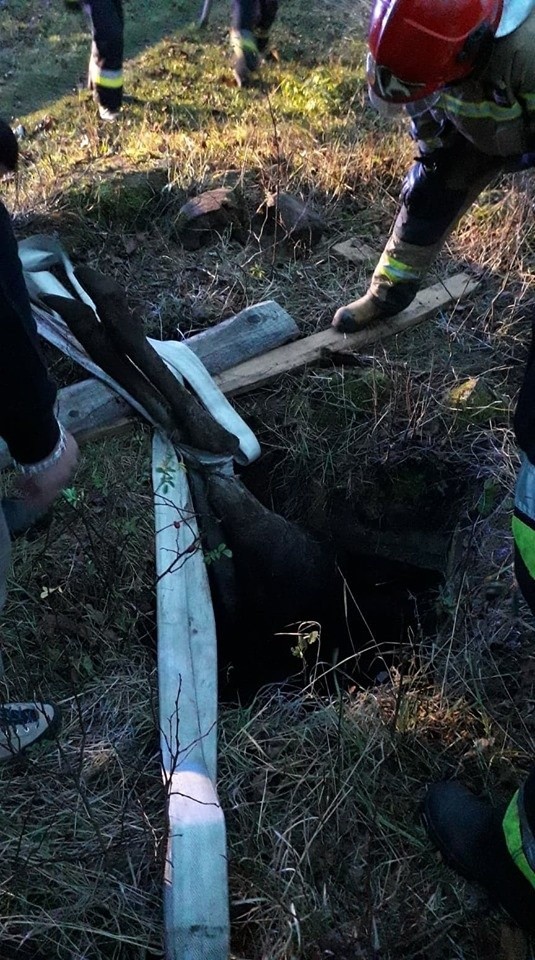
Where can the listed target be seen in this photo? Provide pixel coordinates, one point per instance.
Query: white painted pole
(196, 885)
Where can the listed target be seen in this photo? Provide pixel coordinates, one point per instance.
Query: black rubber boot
(468, 833)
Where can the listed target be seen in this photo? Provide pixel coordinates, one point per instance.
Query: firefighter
(105, 74)
(492, 846)
(46, 455)
(249, 35)
(464, 72)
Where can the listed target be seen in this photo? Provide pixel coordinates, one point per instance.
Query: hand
(358, 314)
(39, 490)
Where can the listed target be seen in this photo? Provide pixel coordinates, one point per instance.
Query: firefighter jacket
(478, 128)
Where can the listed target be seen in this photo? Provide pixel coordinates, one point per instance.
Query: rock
(297, 220)
(213, 211)
(357, 251)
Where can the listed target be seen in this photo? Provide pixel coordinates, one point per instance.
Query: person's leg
(106, 63)
(438, 189)
(266, 18)
(21, 724)
(244, 17)
(487, 845)
(491, 846)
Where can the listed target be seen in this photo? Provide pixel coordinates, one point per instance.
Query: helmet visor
(413, 109)
(386, 86)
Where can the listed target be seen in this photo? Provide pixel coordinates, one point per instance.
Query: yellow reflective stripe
(529, 100)
(524, 537)
(486, 110)
(107, 78)
(395, 270)
(512, 832)
(240, 43)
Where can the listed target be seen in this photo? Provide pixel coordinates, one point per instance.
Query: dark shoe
(245, 53)
(468, 833)
(24, 724)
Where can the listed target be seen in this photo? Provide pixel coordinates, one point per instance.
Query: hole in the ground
(346, 602)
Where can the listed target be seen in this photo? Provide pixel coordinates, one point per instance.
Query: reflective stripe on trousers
(519, 838)
(524, 515)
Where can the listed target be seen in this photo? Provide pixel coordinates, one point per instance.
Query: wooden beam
(251, 332)
(90, 409)
(255, 373)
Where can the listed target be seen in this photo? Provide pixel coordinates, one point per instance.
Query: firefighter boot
(245, 52)
(469, 833)
(359, 314)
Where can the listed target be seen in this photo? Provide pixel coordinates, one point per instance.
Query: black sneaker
(23, 724)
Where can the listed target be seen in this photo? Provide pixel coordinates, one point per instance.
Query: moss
(129, 200)
(473, 402)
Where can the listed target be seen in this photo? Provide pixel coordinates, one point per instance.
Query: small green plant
(73, 496)
(167, 478)
(211, 556)
(307, 635)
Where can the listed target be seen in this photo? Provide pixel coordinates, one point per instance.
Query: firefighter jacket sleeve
(479, 128)
(27, 396)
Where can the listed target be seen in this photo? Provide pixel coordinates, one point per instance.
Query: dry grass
(327, 855)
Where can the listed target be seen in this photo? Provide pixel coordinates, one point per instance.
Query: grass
(327, 856)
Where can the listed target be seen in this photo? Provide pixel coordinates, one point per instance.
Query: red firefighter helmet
(418, 46)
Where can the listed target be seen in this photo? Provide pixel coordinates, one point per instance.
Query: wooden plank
(251, 332)
(90, 405)
(255, 373)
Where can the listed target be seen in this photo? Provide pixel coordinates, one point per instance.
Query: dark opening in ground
(359, 606)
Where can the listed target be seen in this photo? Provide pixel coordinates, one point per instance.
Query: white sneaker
(23, 724)
(111, 116)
